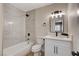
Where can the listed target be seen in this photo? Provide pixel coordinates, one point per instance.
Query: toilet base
(37, 54)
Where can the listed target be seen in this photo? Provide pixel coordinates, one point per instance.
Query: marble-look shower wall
(30, 25)
(14, 26)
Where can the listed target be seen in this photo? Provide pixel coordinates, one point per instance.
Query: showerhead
(27, 15)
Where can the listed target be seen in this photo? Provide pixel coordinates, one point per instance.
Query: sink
(58, 37)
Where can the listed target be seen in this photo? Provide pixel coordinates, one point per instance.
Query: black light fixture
(56, 12)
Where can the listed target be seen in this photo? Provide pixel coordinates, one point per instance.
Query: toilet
(36, 49)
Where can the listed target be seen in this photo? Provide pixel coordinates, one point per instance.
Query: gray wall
(73, 25)
(13, 33)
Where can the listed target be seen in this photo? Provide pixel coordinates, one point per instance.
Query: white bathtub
(20, 49)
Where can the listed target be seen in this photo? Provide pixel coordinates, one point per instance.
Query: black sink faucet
(56, 33)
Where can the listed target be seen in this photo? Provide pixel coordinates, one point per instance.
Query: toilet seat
(36, 48)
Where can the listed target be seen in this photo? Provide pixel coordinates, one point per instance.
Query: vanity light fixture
(57, 13)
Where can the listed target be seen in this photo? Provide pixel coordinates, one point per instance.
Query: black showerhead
(27, 15)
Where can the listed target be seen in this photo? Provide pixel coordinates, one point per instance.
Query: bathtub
(21, 49)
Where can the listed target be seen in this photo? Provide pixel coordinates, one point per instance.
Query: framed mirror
(57, 23)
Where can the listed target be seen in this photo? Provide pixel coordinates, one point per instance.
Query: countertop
(63, 38)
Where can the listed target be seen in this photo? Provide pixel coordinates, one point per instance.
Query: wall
(73, 25)
(30, 25)
(1, 27)
(14, 26)
(43, 14)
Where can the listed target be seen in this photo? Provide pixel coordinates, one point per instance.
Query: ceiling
(29, 6)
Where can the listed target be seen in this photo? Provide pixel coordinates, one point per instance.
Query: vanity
(57, 46)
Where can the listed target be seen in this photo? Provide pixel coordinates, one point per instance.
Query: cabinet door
(49, 48)
(63, 48)
(57, 48)
(66, 51)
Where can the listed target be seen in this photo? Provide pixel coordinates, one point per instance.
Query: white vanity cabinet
(57, 47)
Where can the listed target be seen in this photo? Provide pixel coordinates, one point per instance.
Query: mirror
(57, 23)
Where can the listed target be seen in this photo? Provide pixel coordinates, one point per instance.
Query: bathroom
(28, 29)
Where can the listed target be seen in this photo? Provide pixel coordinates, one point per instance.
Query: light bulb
(56, 15)
(52, 15)
(60, 14)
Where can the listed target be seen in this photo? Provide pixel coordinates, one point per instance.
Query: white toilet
(36, 49)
